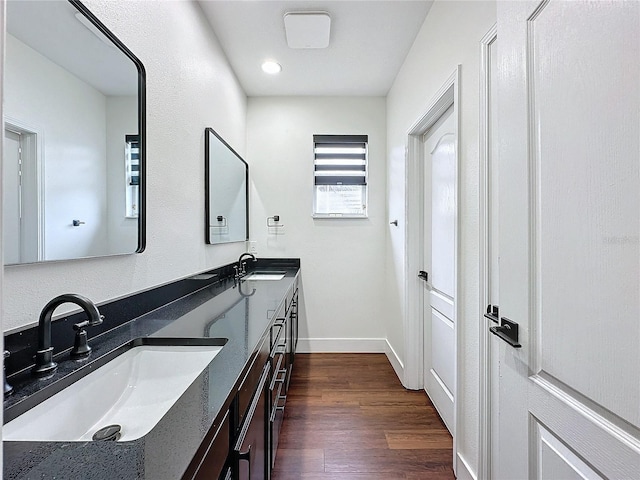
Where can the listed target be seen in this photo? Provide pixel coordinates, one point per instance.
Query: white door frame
(447, 96)
(34, 139)
(484, 440)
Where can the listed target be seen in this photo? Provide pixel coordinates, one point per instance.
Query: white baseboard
(394, 360)
(464, 471)
(341, 345)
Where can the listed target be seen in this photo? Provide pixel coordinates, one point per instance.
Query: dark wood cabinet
(277, 393)
(216, 457)
(211, 460)
(245, 442)
(251, 449)
(249, 383)
(292, 336)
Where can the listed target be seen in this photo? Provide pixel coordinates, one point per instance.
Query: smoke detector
(307, 29)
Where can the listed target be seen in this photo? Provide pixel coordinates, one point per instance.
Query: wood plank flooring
(349, 418)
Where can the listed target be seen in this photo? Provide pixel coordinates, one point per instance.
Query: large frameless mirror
(226, 192)
(73, 162)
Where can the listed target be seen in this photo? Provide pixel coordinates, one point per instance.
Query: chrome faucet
(241, 267)
(44, 355)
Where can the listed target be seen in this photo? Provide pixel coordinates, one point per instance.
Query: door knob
(507, 331)
(423, 275)
(493, 313)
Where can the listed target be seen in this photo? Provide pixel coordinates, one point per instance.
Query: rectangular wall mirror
(74, 156)
(226, 192)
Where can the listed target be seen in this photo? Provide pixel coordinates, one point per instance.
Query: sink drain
(110, 433)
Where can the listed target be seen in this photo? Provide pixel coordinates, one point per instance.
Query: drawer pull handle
(246, 456)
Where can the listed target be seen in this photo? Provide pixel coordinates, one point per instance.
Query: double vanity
(194, 388)
(184, 380)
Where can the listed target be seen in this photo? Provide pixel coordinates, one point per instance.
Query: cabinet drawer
(252, 378)
(278, 398)
(251, 449)
(278, 370)
(288, 298)
(215, 458)
(277, 332)
(276, 415)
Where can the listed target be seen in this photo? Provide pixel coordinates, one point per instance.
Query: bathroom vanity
(225, 424)
(184, 380)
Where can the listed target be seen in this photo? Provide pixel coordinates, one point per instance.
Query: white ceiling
(369, 41)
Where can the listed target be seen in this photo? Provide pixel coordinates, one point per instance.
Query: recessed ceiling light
(271, 67)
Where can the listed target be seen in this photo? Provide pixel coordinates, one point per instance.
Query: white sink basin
(265, 276)
(134, 390)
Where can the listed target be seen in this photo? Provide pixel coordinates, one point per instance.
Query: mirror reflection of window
(132, 169)
(71, 94)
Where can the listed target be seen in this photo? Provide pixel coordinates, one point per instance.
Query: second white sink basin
(134, 390)
(269, 275)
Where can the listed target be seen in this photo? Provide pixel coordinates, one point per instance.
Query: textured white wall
(73, 144)
(342, 259)
(190, 86)
(2, 58)
(450, 36)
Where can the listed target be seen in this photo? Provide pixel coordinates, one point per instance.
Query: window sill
(333, 216)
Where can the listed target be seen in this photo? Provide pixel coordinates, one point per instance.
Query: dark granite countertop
(242, 315)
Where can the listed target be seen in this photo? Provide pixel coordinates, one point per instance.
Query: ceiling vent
(307, 29)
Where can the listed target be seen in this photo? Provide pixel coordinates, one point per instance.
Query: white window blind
(132, 173)
(340, 175)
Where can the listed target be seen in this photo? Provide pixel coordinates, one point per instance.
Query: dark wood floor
(349, 418)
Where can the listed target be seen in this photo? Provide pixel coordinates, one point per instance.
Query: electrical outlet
(253, 247)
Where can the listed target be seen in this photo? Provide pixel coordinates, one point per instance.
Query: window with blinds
(132, 159)
(132, 173)
(340, 175)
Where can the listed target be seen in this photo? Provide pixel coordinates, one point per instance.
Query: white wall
(189, 86)
(73, 144)
(122, 120)
(2, 58)
(342, 259)
(450, 36)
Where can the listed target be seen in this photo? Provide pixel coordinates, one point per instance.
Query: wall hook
(395, 222)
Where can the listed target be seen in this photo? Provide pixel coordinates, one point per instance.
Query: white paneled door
(569, 271)
(439, 235)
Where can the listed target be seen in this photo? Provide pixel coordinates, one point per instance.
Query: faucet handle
(81, 346)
